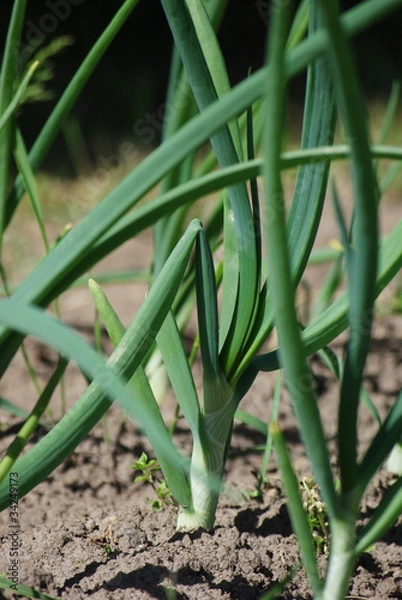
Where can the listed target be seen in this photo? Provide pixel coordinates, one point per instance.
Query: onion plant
(361, 255)
(257, 280)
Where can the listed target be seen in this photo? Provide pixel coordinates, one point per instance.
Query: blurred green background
(127, 89)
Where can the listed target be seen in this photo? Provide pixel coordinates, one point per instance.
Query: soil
(89, 531)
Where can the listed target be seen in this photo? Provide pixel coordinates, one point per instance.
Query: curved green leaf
(18, 95)
(7, 79)
(385, 515)
(280, 280)
(178, 368)
(329, 324)
(362, 255)
(388, 435)
(207, 308)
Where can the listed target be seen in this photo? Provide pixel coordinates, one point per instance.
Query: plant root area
(89, 531)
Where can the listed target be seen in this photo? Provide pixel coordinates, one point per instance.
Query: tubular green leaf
(230, 272)
(114, 326)
(311, 181)
(327, 326)
(282, 292)
(362, 256)
(388, 435)
(179, 372)
(18, 95)
(299, 24)
(385, 515)
(24, 167)
(7, 78)
(31, 422)
(213, 58)
(207, 308)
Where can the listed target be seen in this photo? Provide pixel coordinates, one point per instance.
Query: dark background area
(131, 79)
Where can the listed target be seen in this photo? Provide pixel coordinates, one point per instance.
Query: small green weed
(257, 493)
(148, 467)
(111, 552)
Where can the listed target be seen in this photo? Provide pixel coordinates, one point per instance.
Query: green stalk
(361, 260)
(297, 373)
(362, 256)
(208, 458)
(182, 107)
(31, 422)
(215, 423)
(214, 59)
(202, 81)
(342, 559)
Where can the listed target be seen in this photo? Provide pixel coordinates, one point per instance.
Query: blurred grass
(64, 202)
